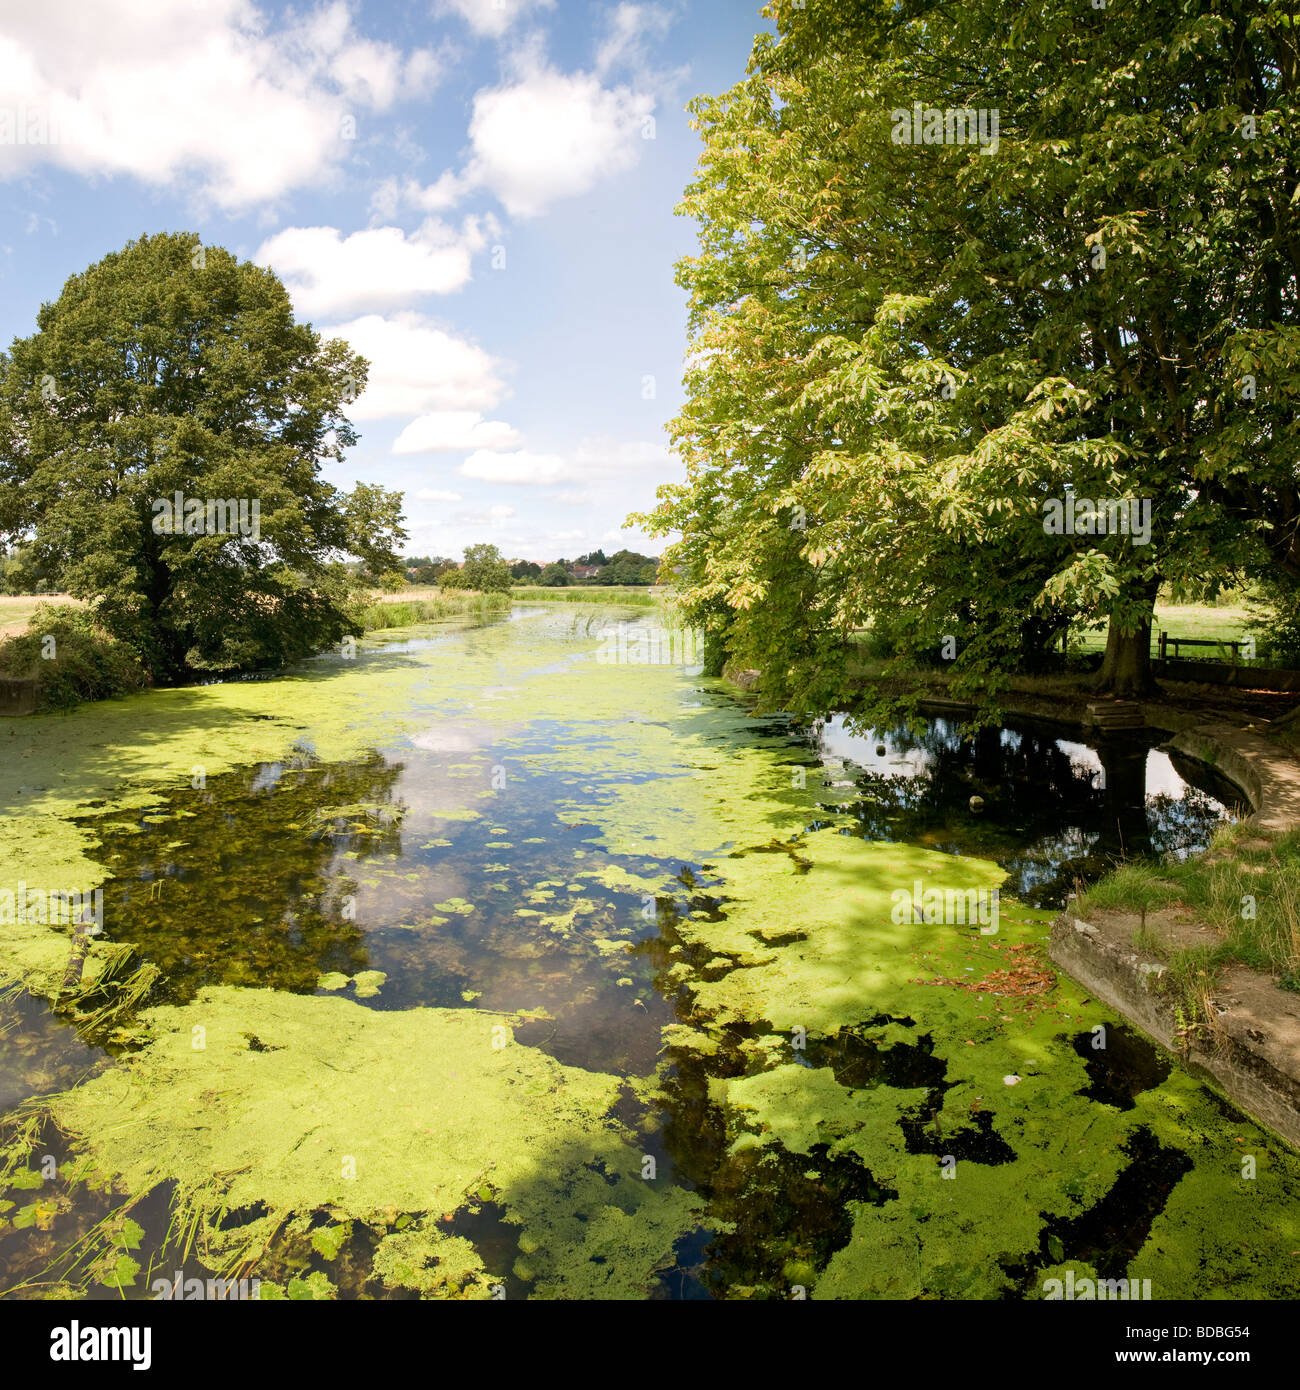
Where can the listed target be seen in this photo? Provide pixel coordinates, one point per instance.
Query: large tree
(901, 350)
(172, 368)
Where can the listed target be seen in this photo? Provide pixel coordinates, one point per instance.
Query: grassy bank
(1201, 622)
(1246, 889)
(624, 597)
(381, 614)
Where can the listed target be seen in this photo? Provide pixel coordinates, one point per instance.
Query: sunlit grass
(380, 615)
(16, 610)
(626, 597)
(1246, 889)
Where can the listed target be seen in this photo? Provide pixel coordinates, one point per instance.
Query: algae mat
(485, 967)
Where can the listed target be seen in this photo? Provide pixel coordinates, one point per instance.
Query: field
(16, 610)
(1233, 622)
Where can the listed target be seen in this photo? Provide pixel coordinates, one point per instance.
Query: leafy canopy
(901, 351)
(167, 368)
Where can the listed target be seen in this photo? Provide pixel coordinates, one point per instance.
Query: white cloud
(606, 457)
(544, 136)
(417, 367)
(552, 136)
(437, 494)
(522, 466)
(368, 73)
(493, 516)
(213, 93)
(391, 194)
(443, 430)
(628, 26)
(382, 268)
(593, 460)
(491, 17)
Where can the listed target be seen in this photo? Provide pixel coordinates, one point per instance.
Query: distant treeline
(624, 567)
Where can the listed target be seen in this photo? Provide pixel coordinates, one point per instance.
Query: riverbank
(1203, 956)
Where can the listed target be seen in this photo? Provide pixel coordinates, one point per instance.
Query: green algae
(114, 754)
(432, 1264)
(366, 1113)
(795, 933)
(807, 941)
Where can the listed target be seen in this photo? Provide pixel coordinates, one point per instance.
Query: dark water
(1057, 812)
(286, 874)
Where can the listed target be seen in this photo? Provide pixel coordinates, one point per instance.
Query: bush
(1275, 618)
(70, 658)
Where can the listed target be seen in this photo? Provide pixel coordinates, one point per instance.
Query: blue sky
(477, 194)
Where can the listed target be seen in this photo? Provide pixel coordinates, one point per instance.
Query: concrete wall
(17, 696)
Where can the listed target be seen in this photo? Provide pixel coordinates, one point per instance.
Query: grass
(383, 611)
(1205, 622)
(626, 597)
(1246, 888)
(397, 611)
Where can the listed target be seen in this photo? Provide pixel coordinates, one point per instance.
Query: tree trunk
(1126, 667)
(1124, 828)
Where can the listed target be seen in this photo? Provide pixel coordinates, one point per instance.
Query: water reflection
(1056, 812)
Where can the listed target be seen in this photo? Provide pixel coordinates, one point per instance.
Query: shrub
(71, 658)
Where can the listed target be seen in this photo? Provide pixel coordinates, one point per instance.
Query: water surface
(572, 833)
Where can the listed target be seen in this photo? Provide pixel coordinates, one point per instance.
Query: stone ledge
(1255, 1058)
(1256, 1061)
(17, 696)
(1268, 776)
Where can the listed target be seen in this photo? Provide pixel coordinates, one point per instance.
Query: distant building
(585, 571)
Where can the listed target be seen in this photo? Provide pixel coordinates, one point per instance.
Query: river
(523, 961)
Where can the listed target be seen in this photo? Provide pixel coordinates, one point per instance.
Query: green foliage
(899, 352)
(71, 657)
(21, 573)
(1275, 615)
(484, 569)
(553, 577)
(628, 567)
(169, 367)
